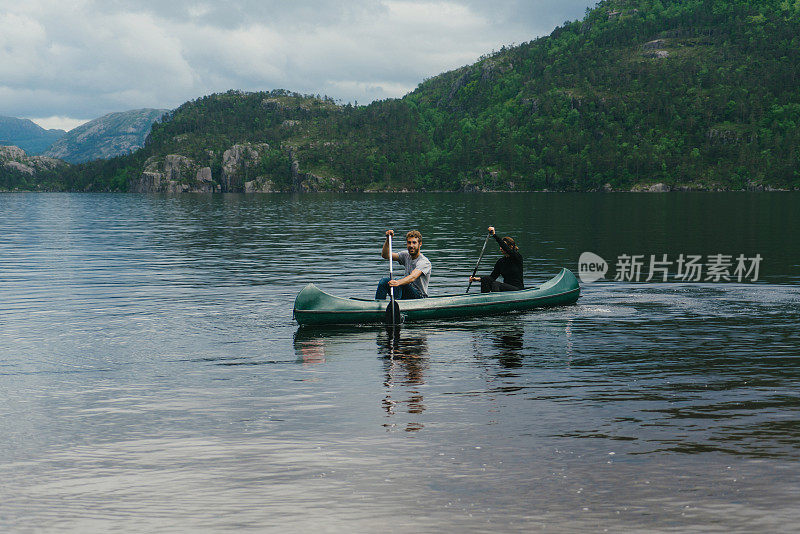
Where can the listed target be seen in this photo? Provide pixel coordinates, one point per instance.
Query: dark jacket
(509, 267)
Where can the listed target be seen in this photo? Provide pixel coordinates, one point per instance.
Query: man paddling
(414, 285)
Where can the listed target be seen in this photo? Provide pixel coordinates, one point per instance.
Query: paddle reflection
(405, 362)
(509, 345)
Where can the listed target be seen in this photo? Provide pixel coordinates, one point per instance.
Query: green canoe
(315, 307)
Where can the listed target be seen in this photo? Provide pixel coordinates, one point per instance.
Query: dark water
(152, 377)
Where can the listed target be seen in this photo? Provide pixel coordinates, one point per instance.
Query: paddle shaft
(391, 276)
(479, 261)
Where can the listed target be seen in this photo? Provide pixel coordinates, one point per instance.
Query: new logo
(591, 267)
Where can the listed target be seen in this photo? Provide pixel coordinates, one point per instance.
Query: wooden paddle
(393, 309)
(479, 261)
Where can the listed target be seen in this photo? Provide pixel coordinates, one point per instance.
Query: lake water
(152, 377)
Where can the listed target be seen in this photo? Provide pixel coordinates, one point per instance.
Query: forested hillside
(691, 94)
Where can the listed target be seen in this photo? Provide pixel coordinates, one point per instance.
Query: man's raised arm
(385, 250)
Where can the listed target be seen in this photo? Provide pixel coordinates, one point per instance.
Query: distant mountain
(111, 135)
(27, 135)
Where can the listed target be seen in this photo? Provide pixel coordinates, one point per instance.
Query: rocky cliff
(15, 159)
(173, 174)
(241, 171)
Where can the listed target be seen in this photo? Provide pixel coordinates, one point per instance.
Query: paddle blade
(393, 314)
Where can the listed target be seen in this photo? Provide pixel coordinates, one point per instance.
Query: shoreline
(410, 192)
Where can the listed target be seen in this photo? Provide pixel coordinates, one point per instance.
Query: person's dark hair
(510, 242)
(414, 233)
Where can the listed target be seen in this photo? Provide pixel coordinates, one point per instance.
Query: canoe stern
(314, 306)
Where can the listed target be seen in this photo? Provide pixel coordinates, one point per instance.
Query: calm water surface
(152, 377)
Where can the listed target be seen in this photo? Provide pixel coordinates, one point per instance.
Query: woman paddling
(509, 267)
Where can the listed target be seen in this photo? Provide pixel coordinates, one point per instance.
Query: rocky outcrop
(243, 169)
(654, 188)
(173, 174)
(272, 104)
(484, 180)
(240, 165)
(655, 44)
(655, 49)
(312, 183)
(727, 136)
(459, 82)
(306, 182)
(14, 158)
(260, 186)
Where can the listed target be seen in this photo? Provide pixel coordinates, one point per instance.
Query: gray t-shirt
(421, 263)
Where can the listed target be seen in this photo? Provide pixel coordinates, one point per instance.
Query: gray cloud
(89, 57)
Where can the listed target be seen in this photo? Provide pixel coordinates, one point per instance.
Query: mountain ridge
(27, 135)
(638, 95)
(111, 135)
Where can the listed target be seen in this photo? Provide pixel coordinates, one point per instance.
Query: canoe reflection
(316, 345)
(405, 362)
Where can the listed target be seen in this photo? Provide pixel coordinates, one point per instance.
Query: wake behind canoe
(315, 307)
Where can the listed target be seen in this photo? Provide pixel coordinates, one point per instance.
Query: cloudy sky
(65, 62)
